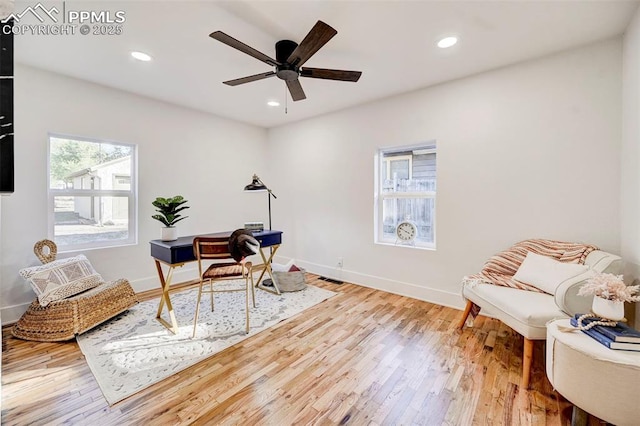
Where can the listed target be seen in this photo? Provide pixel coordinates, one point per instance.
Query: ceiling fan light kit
(285, 71)
(290, 56)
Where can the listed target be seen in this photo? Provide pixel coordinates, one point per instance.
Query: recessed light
(273, 103)
(447, 42)
(141, 56)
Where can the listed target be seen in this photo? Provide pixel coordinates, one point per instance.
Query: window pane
(87, 219)
(419, 210)
(409, 171)
(399, 169)
(88, 165)
(411, 185)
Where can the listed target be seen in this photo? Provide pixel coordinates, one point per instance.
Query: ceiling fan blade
(249, 79)
(236, 44)
(319, 35)
(295, 88)
(331, 74)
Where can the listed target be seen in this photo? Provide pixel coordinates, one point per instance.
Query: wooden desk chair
(217, 248)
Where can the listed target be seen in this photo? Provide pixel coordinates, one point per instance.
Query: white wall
(530, 150)
(205, 158)
(630, 153)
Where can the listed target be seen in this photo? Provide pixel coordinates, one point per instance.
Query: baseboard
(11, 314)
(186, 273)
(427, 294)
(182, 274)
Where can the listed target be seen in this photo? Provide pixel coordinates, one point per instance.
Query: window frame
(131, 195)
(428, 147)
(389, 160)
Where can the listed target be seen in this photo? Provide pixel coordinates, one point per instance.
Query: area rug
(134, 351)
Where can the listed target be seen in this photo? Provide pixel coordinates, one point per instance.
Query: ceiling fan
(290, 56)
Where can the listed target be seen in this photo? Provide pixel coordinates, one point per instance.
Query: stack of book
(254, 226)
(620, 336)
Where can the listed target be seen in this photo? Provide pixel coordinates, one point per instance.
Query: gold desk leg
(267, 269)
(173, 326)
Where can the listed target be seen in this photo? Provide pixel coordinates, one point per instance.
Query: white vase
(169, 234)
(609, 309)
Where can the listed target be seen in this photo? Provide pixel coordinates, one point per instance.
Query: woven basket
(63, 319)
(290, 281)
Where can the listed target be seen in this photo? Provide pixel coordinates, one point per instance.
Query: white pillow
(61, 278)
(546, 273)
(280, 267)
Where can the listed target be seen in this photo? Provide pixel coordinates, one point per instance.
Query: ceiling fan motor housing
(286, 71)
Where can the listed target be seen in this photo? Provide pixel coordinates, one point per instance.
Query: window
(398, 166)
(406, 190)
(92, 193)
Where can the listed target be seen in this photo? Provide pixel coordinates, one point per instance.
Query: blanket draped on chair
(500, 268)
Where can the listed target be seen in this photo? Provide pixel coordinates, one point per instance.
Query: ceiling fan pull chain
(286, 98)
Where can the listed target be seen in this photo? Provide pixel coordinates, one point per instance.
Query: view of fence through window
(91, 192)
(407, 191)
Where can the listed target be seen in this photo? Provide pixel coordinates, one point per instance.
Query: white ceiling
(391, 42)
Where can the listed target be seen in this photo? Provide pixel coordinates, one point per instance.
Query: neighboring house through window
(406, 190)
(92, 193)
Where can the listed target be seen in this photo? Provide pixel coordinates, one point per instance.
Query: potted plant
(169, 209)
(609, 294)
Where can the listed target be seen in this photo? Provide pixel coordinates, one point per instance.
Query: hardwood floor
(362, 357)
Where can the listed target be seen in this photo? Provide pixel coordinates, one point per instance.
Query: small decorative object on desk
(254, 226)
(610, 292)
(592, 329)
(168, 209)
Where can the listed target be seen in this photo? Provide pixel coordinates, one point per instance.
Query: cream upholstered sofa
(527, 309)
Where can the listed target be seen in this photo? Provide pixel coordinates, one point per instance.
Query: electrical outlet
(340, 262)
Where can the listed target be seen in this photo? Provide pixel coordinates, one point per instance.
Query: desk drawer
(172, 255)
(269, 240)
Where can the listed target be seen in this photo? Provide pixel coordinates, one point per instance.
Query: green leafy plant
(169, 209)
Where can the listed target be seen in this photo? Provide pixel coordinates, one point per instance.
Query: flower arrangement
(610, 287)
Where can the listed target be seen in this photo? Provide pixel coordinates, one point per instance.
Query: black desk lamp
(258, 186)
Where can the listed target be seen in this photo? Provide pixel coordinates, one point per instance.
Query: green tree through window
(92, 191)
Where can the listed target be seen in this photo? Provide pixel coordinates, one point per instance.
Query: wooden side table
(601, 381)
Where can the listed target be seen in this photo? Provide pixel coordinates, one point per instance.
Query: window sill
(77, 248)
(418, 247)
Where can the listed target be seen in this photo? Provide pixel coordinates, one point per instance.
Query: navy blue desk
(181, 250)
(176, 253)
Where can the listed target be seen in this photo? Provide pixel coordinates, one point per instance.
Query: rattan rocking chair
(64, 319)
